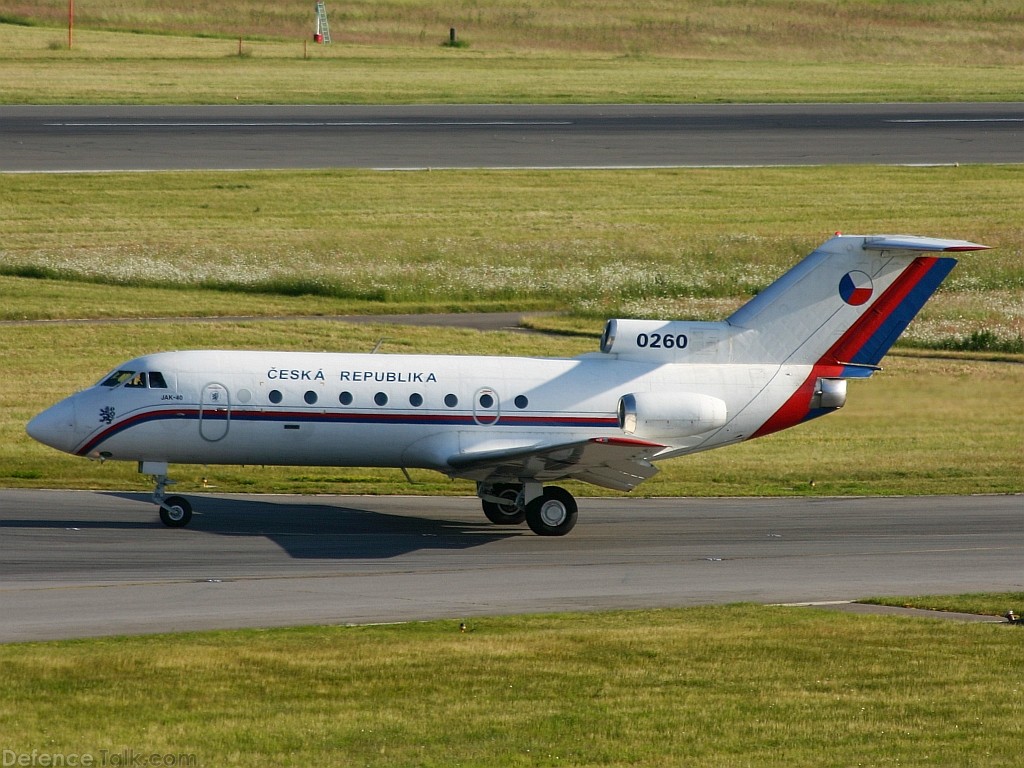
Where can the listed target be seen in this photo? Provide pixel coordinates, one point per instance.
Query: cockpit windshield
(116, 378)
(135, 380)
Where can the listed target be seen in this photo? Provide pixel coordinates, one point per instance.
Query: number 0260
(662, 340)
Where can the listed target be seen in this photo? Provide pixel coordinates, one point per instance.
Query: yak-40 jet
(656, 389)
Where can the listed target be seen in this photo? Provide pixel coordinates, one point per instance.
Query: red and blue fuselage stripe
(347, 417)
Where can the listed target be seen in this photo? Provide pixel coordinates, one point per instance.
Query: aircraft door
(214, 412)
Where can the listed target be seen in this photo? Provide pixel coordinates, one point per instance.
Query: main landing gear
(175, 511)
(549, 511)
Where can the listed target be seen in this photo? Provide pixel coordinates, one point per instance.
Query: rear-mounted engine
(669, 341)
(670, 414)
(829, 394)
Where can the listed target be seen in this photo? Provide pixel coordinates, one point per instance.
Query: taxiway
(78, 563)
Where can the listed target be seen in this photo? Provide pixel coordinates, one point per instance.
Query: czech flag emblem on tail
(855, 288)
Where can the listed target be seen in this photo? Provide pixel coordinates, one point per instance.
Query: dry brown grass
(947, 31)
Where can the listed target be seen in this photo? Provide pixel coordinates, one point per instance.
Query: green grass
(984, 341)
(742, 685)
(679, 243)
(651, 243)
(941, 29)
(530, 51)
(981, 603)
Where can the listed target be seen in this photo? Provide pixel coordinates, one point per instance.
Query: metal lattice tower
(322, 28)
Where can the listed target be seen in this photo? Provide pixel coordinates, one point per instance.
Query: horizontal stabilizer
(920, 244)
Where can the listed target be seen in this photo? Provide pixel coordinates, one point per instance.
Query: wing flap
(610, 462)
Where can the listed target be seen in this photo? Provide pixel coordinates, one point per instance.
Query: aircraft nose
(55, 427)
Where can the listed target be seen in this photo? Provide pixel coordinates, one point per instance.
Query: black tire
(553, 513)
(506, 513)
(175, 512)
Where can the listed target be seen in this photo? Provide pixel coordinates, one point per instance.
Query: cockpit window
(139, 380)
(117, 378)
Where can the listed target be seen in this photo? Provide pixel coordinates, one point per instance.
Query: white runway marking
(315, 124)
(960, 120)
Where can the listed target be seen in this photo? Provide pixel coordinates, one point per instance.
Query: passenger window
(156, 380)
(521, 401)
(451, 401)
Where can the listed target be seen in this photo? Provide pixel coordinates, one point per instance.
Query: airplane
(657, 389)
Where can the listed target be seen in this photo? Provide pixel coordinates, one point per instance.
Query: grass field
(947, 30)
(684, 243)
(528, 51)
(656, 243)
(736, 686)
(981, 603)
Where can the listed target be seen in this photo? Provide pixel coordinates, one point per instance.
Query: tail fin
(846, 303)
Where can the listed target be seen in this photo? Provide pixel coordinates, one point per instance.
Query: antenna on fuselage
(378, 345)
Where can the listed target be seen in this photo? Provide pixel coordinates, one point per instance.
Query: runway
(78, 563)
(112, 138)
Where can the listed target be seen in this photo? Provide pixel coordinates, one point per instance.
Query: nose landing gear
(175, 511)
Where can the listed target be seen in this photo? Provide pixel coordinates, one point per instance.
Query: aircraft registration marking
(662, 340)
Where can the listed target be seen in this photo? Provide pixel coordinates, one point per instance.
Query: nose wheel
(175, 511)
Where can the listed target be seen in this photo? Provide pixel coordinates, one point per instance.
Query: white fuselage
(394, 410)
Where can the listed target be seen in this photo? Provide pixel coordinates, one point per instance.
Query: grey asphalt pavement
(80, 563)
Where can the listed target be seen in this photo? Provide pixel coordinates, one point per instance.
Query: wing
(611, 462)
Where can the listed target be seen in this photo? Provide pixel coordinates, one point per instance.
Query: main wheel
(507, 512)
(175, 512)
(553, 513)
